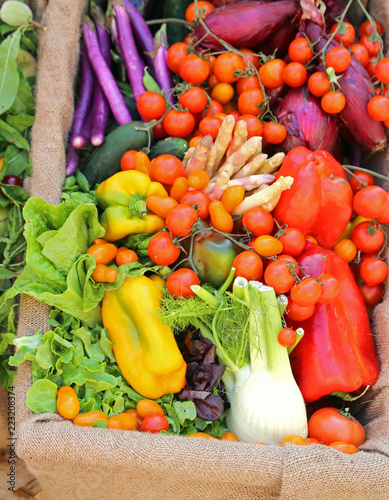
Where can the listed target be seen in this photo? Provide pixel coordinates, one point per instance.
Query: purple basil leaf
(188, 394)
(209, 408)
(210, 355)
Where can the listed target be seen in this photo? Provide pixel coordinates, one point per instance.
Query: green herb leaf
(20, 122)
(42, 397)
(24, 102)
(9, 75)
(11, 135)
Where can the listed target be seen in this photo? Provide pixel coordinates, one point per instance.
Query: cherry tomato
(179, 188)
(346, 248)
(167, 168)
(206, 7)
(293, 241)
(179, 283)
(214, 108)
(127, 160)
(104, 274)
(193, 69)
(134, 413)
(162, 250)
(372, 295)
(151, 105)
(363, 177)
(309, 441)
(368, 237)
(160, 205)
(333, 102)
(372, 47)
(259, 221)
(11, 180)
(271, 73)
(274, 133)
(175, 55)
(68, 405)
(384, 217)
(287, 337)
(225, 66)
(232, 197)
(278, 276)
(293, 439)
(330, 424)
(268, 246)
(248, 265)
(366, 28)
(295, 74)
(360, 53)
(202, 435)
(373, 271)
(306, 293)
(254, 125)
(223, 92)
(159, 131)
(249, 102)
(199, 201)
(99, 241)
(123, 421)
(371, 201)
(298, 313)
(87, 419)
(210, 125)
(178, 123)
(329, 289)
(199, 179)
(378, 108)
(125, 256)
(103, 254)
(194, 142)
(220, 218)
(300, 51)
(319, 84)
(345, 34)
(250, 57)
(181, 219)
(212, 81)
(371, 69)
(194, 99)
(243, 84)
(290, 260)
(348, 448)
(146, 407)
(228, 436)
(338, 58)
(154, 423)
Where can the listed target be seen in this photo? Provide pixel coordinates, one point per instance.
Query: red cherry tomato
(300, 51)
(329, 289)
(193, 69)
(154, 423)
(248, 265)
(347, 38)
(278, 276)
(371, 295)
(373, 271)
(194, 99)
(287, 337)
(306, 293)
(258, 220)
(175, 55)
(364, 177)
(151, 105)
(162, 250)
(293, 241)
(181, 219)
(298, 313)
(179, 283)
(167, 168)
(368, 236)
(199, 201)
(370, 202)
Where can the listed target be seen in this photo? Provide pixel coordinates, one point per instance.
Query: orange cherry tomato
(295, 74)
(308, 441)
(223, 92)
(228, 436)
(243, 84)
(103, 253)
(225, 66)
(87, 419)
(127, 161)
(179, 188)
(134, 413)
(142, 163)
(146, 407)
(220, 218)
(329, 289)
(194, 142)
(293, 439)
(249, 101)
(346, 248)
(232, 197)
(248, 265)
(201, 435)
(267, 246)
(68, 405)
(175, 55)
(287, 337)
(271, 73)
(306, 293)
(104, 274)
(249, 56)
(206, 7)
(347, 448)
(125, 256)
(278, 276)
(199, 179)
(123, 421)
(160, 205)
(298, 313)
(99, 241)
(274, 133)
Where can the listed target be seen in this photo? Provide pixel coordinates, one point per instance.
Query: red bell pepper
(325, 198)
(337, 351)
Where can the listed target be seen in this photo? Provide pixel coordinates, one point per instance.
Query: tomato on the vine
(319, 84)
(345, 34)
(194, 99)
(360, 53)
(287, 337)
(293, 241)
(278, 276)
(373, 271)
(214, 108)
(205, 7)
(251, 57)
(254, 125)
(333, 102)
(298, 313)
(181, 219)
(372, 47)
(175, 55)
(274, 133)
(151, 105)
(249, 102)
(368, 237)
(210, 125)
(180, 281)
(306, 293)
(193, 69)
(162, 250)
(378, 108)
(366, 28)
(364, 177)
(243, 83)
(370, 202)
(178, 123)
(154, 423)
(259, 221)
(167, 168)
(225, 66)
(295, 74)
(248, 265)
(330, 288)
(300, 51)
(198, 200)
(271, 73)
(338, 58)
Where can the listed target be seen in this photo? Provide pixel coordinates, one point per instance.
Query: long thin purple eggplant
(142, 32)
(82, 139)
(129, 51)
(85, 95)
(104, 75)
(73, 160)
(162, 72)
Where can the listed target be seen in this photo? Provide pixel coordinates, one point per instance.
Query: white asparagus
(257, 152)
(188, 155)
(264, 196)
(240, 137)
(220, 186)
(200, 156)
(252, 167)
(221, 144)
(271, 205)
(271, 164)
(252, 182)
(236, 161)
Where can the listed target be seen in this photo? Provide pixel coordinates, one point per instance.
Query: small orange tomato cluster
(104, 253)
(227, 436)
(341, 446)
(148, 416)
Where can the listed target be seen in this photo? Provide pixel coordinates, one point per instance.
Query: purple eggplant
(306, 123)
(72, 160)
(162, 73)
(104, 75)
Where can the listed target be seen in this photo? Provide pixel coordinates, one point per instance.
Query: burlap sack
(73, 463)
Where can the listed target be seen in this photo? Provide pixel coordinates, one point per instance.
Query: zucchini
(105, 159)
(169, 146)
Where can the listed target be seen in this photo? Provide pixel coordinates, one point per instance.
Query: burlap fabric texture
(73, 463)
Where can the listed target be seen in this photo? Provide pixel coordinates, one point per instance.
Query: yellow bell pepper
(123, 198)
(145, 349)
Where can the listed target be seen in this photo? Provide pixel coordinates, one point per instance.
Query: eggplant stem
(170, 20)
